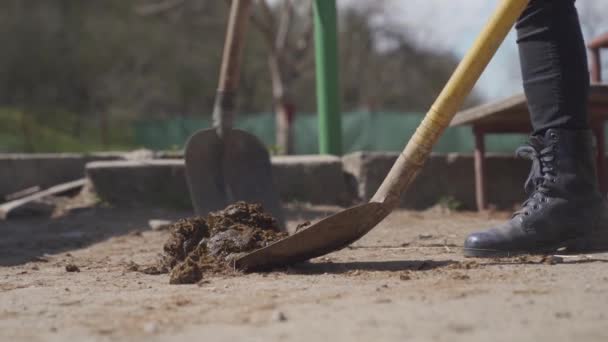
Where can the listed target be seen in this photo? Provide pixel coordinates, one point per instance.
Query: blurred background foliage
(81, 75)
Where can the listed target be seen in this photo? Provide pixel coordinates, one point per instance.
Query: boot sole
(595, 243)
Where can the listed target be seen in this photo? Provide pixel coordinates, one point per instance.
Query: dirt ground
(406, 280)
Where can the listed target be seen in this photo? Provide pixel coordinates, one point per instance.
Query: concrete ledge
(151, 182)
(443, 176)
(21, 171)
(310, 179)
(313, 179)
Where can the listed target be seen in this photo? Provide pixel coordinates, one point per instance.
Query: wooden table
(511, 115)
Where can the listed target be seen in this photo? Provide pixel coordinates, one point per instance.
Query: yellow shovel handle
(449, 101)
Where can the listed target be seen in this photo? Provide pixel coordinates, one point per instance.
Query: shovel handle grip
(441, 113)
(223, 111)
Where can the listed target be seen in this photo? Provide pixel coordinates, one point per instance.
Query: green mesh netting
(361, 131)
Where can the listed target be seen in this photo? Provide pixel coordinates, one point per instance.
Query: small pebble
(460, 276)
(381, 287)
(460, 328)
(553, 260)
(279, 316)
(72, 268)
(383, 301)
(563, 315)
(158, 225)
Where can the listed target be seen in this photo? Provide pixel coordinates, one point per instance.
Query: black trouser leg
(554, 65)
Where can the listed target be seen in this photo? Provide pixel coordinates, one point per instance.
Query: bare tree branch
(303, 60)
(284, 25)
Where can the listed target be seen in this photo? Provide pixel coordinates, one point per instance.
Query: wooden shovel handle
(223, 113)
(440, 115)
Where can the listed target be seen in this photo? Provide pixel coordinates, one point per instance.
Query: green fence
(362, 131)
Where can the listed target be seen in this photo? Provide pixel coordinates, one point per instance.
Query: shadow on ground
(30, 239)
(386, 266)
(313, 268)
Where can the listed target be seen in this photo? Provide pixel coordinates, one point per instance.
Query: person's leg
(564, 207)
(554, 65)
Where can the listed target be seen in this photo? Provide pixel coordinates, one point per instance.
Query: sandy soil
(406, 280)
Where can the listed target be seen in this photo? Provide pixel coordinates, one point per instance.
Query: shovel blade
(203, 156)
(248, 173)
(330, 234)
(235, 167)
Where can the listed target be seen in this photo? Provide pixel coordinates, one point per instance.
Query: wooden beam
(514, 110)
(22, 193)
(6, 208)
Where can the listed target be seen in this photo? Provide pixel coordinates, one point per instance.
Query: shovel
(223, 164)
(338, 231)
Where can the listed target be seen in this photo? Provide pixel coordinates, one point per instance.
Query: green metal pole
(328, 96)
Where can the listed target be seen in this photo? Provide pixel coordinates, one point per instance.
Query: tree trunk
(284, 125)
(284, 110)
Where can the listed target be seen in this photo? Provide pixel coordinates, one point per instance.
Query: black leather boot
(564, 210)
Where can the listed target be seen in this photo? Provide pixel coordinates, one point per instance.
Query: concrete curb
(148, 182)
(21, 171)
(310, 179)
(134, 177)
(444, 177)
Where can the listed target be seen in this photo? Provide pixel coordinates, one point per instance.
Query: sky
(452, 25)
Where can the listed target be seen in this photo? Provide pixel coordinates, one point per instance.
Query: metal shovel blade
(330, 234)
(248, 173)
(203, 156)
(235, 167)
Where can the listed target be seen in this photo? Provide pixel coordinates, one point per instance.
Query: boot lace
(541, 174)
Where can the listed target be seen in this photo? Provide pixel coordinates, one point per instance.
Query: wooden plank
(475, 114)
(513, 111)
(6, 208)
(22, 193)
